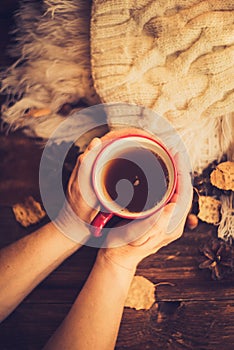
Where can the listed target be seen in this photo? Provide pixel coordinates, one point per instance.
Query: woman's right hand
(129, 244)
(155, 237)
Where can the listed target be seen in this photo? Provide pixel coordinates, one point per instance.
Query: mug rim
(148, 212)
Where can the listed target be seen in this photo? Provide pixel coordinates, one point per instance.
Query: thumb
(165, 216)
(84, 173)
(86, 160)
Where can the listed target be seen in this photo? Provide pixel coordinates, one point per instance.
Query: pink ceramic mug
(133, 177)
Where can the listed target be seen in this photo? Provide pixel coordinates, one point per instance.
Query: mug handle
(100, 220)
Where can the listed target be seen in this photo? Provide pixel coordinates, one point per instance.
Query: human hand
(125, 131)
(81, 205)
(154, 238)
(131, 243)
(80, 193)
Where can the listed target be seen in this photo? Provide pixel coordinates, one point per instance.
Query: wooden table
(191, 312)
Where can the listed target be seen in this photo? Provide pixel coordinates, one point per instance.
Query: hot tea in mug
(133, 177)
(146, 180)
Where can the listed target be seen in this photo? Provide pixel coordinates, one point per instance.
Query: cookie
(223, 176)
(28, 212)
(209, 209)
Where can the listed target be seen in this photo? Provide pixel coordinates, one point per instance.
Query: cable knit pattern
(175, 57)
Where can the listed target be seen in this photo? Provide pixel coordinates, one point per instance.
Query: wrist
(71, 225)
(115, 262)
(61, 238)
(119, 276)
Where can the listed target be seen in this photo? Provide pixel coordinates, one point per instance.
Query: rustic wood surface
(191, 311)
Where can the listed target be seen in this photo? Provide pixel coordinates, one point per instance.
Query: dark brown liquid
(136, 180)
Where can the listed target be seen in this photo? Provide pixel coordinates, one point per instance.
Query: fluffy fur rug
(52, 72)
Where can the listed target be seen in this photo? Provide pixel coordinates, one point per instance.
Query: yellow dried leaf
(141, 294)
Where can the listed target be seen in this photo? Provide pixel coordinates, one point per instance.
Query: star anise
(219, 258)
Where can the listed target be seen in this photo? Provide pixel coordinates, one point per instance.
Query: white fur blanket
(52, 67)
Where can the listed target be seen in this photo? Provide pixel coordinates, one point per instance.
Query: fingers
(94, 143)
(124, 132)
(85, 161)
(80, 180)
(184, 191)
(158, 241)
(175, 234)
(165, 216)
(94, 146)
(139, 230)
(84, 172)
(174, 198)
(154, 225)
(182, 163)
(159, 225)
(184, 183)
(140, 241)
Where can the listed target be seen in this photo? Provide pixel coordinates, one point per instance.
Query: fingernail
(94, 143)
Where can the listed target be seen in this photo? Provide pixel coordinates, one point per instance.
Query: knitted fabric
(175, 57)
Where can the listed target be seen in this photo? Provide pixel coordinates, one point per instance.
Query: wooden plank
(177, 264)
(174, 325)
(30, 326)
(19, 168)
(187, 282)
(167, 325)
